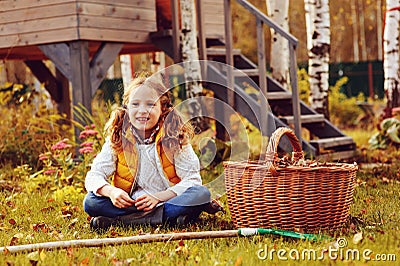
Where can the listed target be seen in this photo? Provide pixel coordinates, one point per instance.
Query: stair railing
(262, 19)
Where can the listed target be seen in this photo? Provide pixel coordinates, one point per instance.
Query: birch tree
(278, 10)
(126, 69)
(318, 46)
(391, 55)
(191, 64)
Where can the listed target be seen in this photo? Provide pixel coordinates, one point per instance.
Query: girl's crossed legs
(190, 203)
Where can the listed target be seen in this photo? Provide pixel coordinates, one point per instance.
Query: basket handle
(272, 148)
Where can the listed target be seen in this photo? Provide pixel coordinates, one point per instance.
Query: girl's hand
(120, 198)
(146, 202)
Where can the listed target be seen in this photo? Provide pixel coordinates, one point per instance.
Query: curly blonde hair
(176, 132)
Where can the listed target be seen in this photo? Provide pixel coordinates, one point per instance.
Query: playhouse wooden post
(65, 105)
(80, 74)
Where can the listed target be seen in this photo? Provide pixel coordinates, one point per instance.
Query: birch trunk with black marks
(391, 55)
(278, 10)
(191, 64)
(318, 46)
(126, 69)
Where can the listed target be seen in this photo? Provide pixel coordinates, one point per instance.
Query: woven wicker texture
(300, 196)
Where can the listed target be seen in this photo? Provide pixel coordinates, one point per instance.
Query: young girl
(153, 169)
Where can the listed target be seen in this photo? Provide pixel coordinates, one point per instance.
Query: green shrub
(344, 111)
(65, 164)
(388, 135)
(63, 172)
(304, 85)
(26, 129)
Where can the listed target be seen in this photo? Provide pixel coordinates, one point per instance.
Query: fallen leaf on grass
(150, 255)
(3, 227)
(381, 231)
(68, 211)
(84, 262)
(357, 238)
(73, 222)
(66, 215)
(35, 256)
(70, 252)
(12, 221)
(57, 235)
(41, 226)
(13, 241)
(6, 251)
(42, 255)
(10, 204)
(368, 200)
(182, 248)
(157, 230)
(118, 262)
(30, 237)
(76, 235)
(46, 209)
(238, 261)
(99, 255)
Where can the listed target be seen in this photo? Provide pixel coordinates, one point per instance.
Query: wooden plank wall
(118, 20)
(33, 22)
(214, 18)
(26, 22)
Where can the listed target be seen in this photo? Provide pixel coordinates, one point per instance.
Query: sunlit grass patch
(37, 217)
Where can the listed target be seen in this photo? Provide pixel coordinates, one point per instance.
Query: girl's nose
(142, 109)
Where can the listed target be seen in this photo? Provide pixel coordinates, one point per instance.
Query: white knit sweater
(150, 176)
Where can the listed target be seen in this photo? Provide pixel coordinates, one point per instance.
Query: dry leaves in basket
(286, 161)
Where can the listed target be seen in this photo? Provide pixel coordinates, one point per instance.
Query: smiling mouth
(142, 119)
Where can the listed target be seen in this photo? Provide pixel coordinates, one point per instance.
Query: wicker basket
(299, 196)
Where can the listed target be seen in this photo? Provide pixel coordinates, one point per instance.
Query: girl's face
(144, 109)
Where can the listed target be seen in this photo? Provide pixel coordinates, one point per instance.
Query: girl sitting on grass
(153, 169)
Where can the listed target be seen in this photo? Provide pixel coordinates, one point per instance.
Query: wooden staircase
(327, 141)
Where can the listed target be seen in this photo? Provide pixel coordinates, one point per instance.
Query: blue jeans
(192, 202)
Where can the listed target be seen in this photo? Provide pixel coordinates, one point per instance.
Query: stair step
(279, 95)
(327, 143)
(305, 119)
(217, 52)
(221, 51)
(337, 155)
(246, 72)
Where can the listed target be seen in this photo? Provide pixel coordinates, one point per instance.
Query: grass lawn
(39, 216)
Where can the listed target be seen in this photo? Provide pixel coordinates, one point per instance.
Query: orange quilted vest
(125, 174)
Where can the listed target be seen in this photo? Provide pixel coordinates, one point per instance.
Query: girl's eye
(135, 104)
(150, 104)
